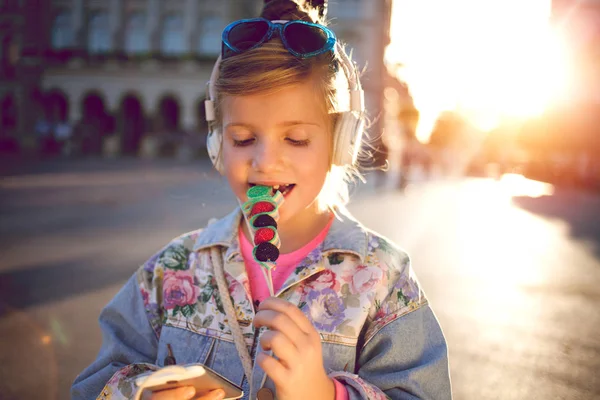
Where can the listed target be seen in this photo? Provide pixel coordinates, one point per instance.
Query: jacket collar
(222, 232)
(346, 235)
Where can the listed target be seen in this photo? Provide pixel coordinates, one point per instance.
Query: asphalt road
(511, 267)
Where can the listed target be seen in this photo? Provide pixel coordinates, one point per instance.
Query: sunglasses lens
(305, 39)
(246, 35)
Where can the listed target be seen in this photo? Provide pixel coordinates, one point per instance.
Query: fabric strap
(238, 337)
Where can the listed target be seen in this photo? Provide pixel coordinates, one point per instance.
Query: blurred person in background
(45, 136)
(63, 133)
(412, 153)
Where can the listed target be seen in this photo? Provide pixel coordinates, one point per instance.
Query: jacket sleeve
(128, 348)
(407, 359)
(131, 324)
(402, 350)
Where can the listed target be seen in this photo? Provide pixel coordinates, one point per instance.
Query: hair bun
(304, 10)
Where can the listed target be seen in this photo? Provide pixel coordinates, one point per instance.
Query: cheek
(313, 170)
(234, 160)
(318, 159)
(236, 171)
(237, 184)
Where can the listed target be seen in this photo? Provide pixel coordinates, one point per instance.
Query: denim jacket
(380, 337)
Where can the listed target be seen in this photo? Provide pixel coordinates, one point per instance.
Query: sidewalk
(11, 166)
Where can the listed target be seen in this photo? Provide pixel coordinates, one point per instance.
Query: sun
(487, 59)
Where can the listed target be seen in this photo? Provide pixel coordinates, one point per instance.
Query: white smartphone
(202, 378)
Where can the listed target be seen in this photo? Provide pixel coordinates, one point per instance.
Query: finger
(184, 392)
(216, 394)
(281, 346)
(289, 309)
(273, 368)
(280, 322)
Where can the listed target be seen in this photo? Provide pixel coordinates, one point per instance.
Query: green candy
(259, 191)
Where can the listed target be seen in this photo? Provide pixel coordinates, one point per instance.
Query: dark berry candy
(261, 207)
(263, 235)
(264, 220)
(266, 252)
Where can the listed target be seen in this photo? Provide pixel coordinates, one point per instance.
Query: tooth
(276, 187)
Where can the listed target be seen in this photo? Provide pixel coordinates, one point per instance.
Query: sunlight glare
(517, 185)
(487, 59)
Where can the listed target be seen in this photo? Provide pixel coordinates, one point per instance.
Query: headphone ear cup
(347, 139)
(213, 147)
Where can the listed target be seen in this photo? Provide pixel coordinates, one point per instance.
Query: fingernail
(219, 394)
(189, 393)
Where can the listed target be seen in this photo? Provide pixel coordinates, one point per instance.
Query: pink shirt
(286, 263)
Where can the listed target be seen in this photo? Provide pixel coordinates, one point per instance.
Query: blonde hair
(270, 68)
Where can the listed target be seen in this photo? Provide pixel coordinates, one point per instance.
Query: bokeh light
(489, 60)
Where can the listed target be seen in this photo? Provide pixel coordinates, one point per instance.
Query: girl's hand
(298, 371)
(185, 393)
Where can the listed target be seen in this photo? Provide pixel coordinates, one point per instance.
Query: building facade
(22, 33)
(567, 140)
(129, 76)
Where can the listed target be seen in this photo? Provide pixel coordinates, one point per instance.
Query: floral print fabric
(356, 281)
(337, 292)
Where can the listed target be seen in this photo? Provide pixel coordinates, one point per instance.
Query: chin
(283, 217)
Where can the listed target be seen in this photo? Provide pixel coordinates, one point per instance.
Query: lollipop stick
(270, 283)
(269, 279)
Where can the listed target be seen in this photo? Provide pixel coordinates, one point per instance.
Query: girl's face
(279, 138)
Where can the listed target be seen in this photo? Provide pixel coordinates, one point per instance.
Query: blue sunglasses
(300, 38)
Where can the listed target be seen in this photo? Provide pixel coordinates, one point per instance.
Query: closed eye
(248, 142)
(299, 143)
(243, 143)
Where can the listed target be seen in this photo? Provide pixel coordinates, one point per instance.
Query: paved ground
(512, 269)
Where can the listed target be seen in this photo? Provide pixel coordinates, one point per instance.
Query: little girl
(348, 319)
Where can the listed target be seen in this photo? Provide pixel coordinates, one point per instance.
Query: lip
(269, 183)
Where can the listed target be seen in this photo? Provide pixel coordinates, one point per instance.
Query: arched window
(98, 33)
(5, 46)
(8, 113)
(62, 31)
(209, 41)
(169, 114)
(137, 39)
(173, 36)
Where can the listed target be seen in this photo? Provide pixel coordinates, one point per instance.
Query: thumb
(217, 394)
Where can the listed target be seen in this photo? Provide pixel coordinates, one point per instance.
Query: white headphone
(347, 133)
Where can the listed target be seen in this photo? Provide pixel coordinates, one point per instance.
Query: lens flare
(488, 60)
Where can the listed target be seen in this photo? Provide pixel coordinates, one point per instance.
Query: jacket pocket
(194, 348)
(224, 359)
(188, 347)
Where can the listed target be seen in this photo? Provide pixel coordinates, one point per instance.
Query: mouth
(284, 189)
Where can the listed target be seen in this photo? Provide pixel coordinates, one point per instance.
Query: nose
(267, 157)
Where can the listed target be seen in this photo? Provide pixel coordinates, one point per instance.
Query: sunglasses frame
(280, 27)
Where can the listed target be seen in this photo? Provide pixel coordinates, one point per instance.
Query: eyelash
(248, 142)
(299, 143)
(242, 143)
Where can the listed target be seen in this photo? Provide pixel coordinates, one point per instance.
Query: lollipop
(261, 212)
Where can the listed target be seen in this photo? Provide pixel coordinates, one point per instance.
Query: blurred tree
(408, 117)
(448, 131)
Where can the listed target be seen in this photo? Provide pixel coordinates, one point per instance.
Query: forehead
(298, 102)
